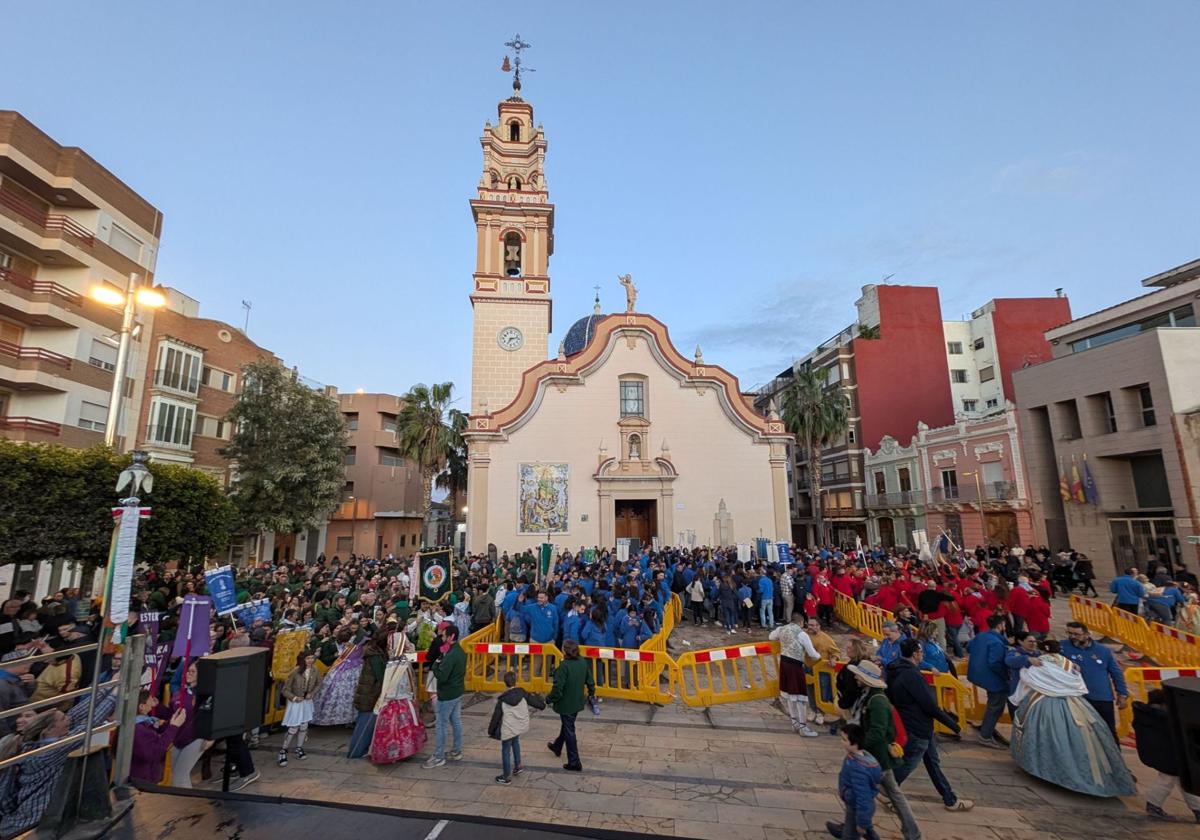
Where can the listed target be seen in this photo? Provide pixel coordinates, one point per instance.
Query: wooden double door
(637, 519)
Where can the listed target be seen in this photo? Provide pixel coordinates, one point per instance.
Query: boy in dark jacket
(1156, 750)
(510, 720)
(858, 784)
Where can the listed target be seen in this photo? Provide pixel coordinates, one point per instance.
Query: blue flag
(220, 586)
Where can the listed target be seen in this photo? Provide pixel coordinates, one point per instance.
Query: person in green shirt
(449, 666)
(572, 680)
(876, 718)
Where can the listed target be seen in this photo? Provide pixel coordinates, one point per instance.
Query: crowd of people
(355, 665)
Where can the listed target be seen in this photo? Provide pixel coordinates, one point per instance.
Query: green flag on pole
(436, 577)
(544, 560)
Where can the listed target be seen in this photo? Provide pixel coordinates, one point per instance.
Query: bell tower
(514, 238)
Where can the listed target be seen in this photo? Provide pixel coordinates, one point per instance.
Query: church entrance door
(637, 519)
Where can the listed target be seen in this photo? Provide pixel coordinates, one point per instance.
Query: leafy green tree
(289, 449)
(817, 415)
(191, 517)
(429, 433)
(56, 503)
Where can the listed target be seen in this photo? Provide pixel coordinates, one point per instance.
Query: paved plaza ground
(733, 772)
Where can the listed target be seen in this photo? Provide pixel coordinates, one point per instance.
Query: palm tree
(817, 415)
(453, 478)
(429, 432)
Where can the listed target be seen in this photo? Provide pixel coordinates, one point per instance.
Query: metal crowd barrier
(1166, 645)
(729, 674)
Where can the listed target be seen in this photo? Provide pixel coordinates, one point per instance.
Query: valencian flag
(1064, 489)
(436, 579)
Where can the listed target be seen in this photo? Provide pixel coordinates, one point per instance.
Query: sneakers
(433, 761)
(1000, 739)
(574, 768)
(820, 719)
(518, 770)
(556, 750)
(242, 781)
(503, 780)
(961, 804)
(301, 754)
(281, 760)
(988, 742)
(1157, 813)
(454, 756)
(808, 732)
(811, 715)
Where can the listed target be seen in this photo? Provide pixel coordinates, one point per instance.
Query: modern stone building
(381, 502)
(1119, 401)
(620, 435)
(67, 226)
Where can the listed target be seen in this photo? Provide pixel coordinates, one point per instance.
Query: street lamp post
(135, 293)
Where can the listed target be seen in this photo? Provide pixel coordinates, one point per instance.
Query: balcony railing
(40, 287)
(31, 424)
(992, 491)
(905, 498)
(36, 354)
(53, 224)
(176, 381)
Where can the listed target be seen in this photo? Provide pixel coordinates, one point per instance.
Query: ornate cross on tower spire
(516, 45)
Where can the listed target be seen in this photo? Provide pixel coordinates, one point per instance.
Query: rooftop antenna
(247, 305)
(516, 45)
(889, 277)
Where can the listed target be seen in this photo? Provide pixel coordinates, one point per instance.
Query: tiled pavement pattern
(734, 772)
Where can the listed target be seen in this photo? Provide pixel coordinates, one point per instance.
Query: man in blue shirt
(987, 670)
(766, 606)
(889, 648)
(1128, 590)
(1100, 672)
(1164, 603)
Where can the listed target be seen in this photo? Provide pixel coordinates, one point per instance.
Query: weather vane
(516, 45)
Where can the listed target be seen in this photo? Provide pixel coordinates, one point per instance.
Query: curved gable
(608, 330)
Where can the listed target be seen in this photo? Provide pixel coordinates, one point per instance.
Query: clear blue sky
(752, 169)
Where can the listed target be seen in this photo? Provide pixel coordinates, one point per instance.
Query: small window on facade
(954, 348)
(987, 374)
(978, 345)
(905, 480)
(850, 436)
(512, 255)
(992, 403)
(1147, 402)
(1110, 412)
(970, 405)
(633, 398)
(958, 376)
(880, 483)
(514, 131)
(351, 456)
(352, 422)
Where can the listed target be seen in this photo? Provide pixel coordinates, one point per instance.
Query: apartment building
(1114, 416)
(902, 368)
(381, 510)
(67, 226)
(188, 380)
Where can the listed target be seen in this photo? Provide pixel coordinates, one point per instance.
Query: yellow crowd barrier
(627, 674)
(533, 662)
(1166, 645)
(865, 618)
(729, 674)
(477, 674)
(1172, 646)
(824, 691)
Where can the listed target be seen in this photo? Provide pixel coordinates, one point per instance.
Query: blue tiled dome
(581, 334)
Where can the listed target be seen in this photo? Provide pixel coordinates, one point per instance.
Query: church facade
(618, 435)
